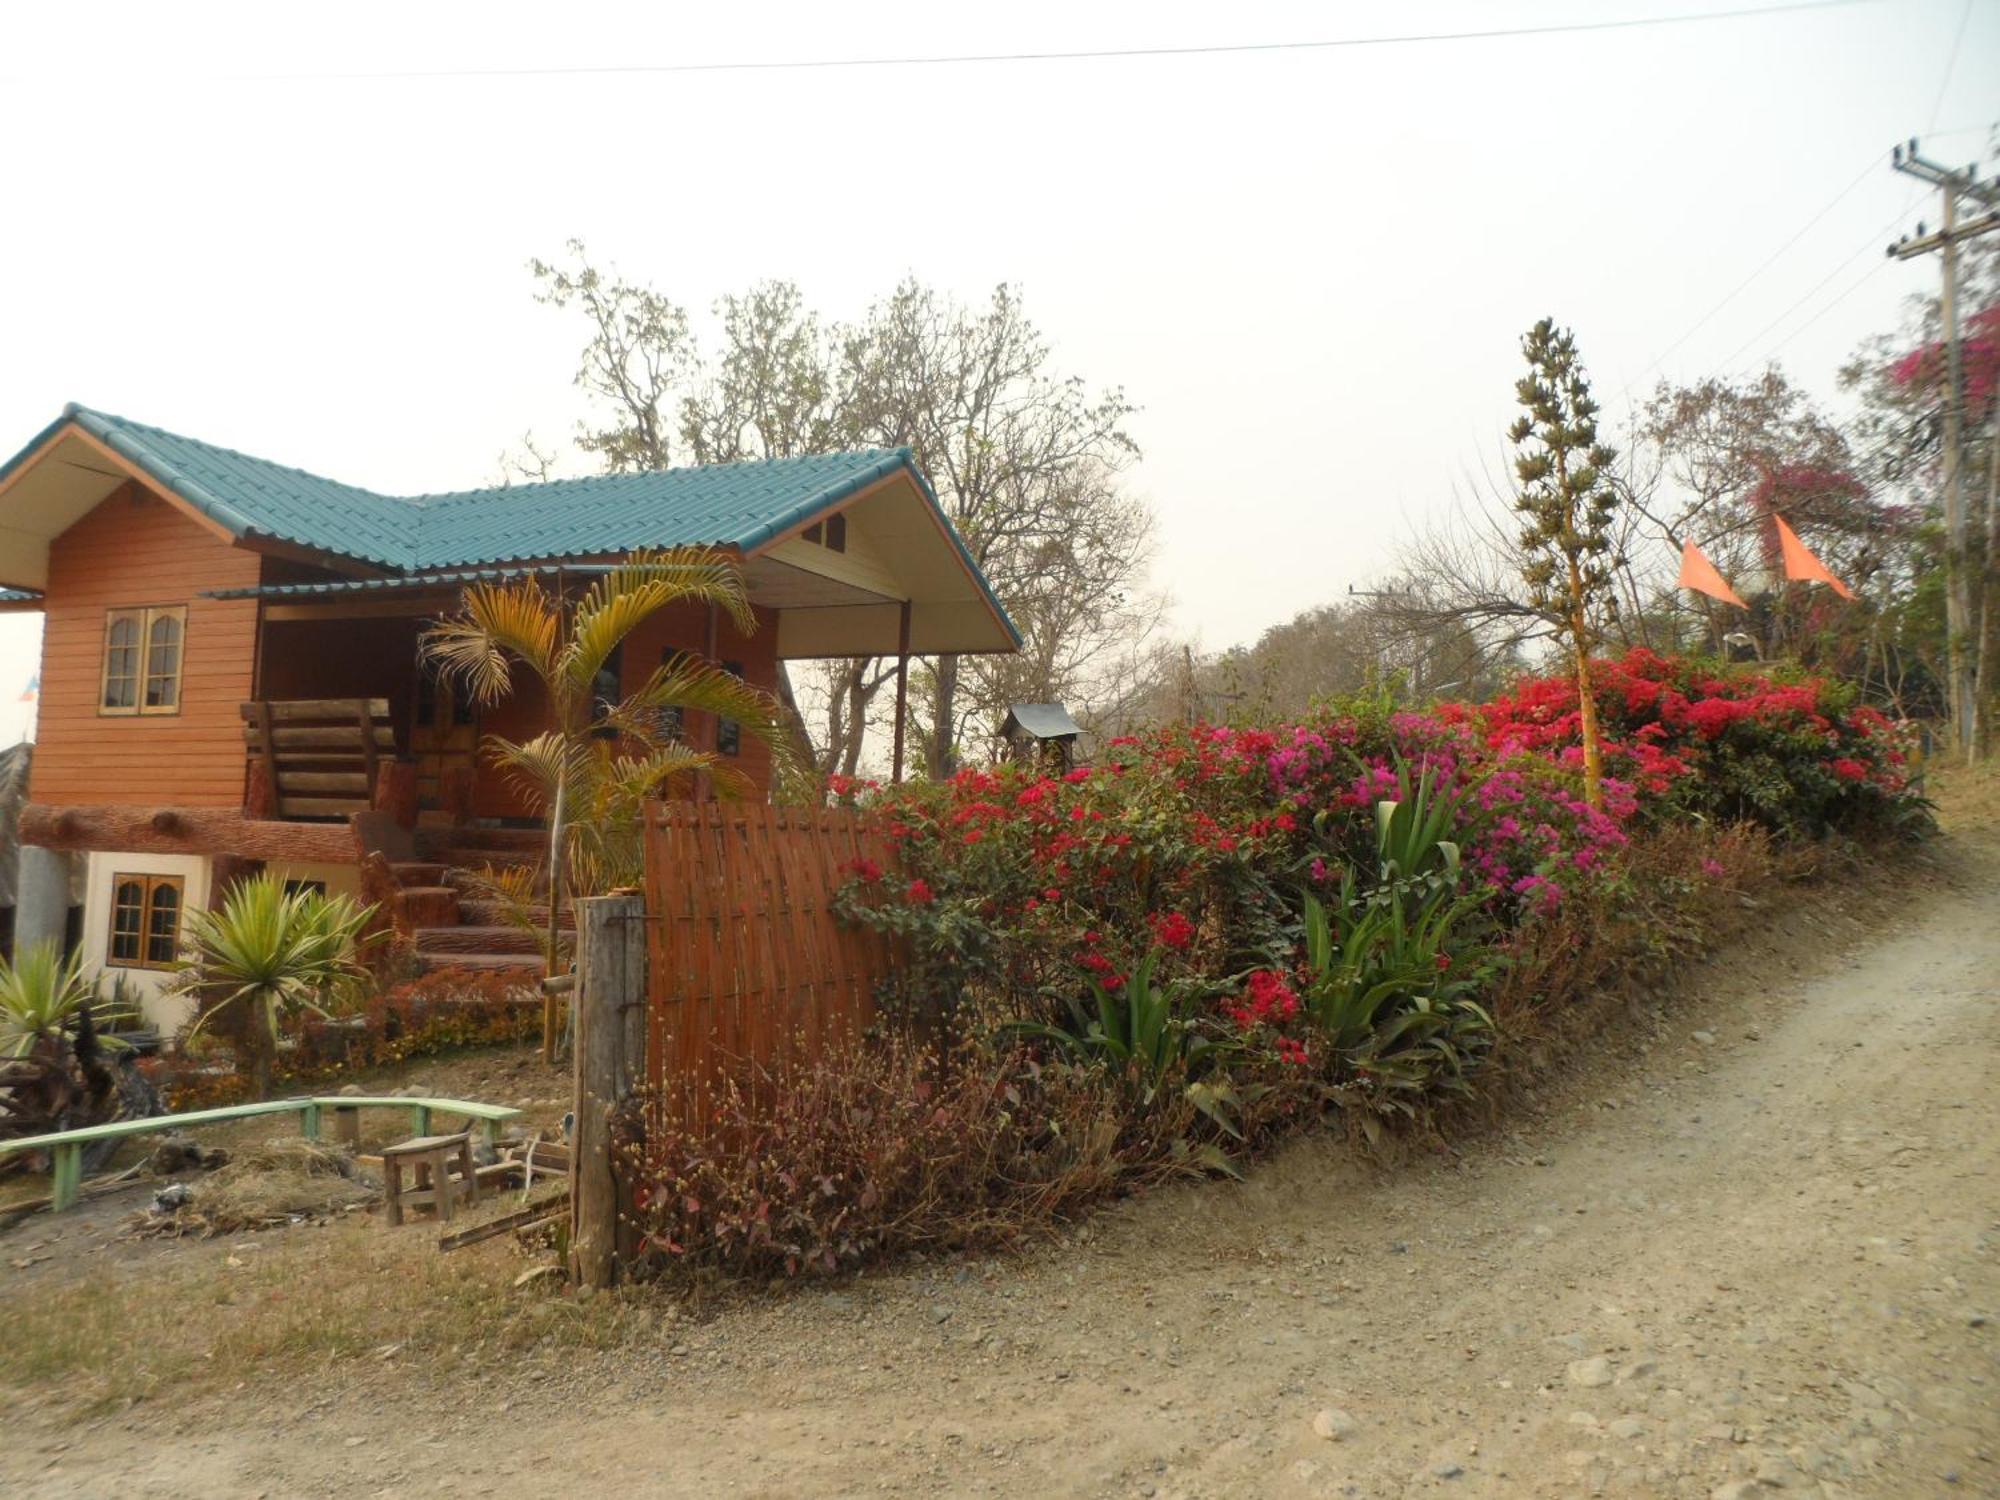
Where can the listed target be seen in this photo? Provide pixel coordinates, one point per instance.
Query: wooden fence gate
(745, 958)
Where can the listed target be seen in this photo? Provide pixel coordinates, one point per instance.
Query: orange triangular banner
(1802, 565)
(1699, 574)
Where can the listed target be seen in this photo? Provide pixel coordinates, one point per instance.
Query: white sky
(1310, 268)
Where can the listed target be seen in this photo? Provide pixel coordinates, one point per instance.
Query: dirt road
(1751, 1250)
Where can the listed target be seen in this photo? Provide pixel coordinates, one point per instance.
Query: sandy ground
(1750, 1250)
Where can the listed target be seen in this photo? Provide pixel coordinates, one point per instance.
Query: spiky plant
(53, 1074)
(43, 996)
(265, 957)
(1566, 499)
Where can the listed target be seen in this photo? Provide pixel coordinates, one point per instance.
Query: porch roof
(443, 579)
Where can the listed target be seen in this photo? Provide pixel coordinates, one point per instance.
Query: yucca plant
(265, 957)
(588, 785)
(43, 998)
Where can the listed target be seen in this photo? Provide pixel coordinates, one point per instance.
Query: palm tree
(266, 956)
(590, 785)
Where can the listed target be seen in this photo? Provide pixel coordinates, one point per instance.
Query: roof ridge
(75, 408)
(431, 499)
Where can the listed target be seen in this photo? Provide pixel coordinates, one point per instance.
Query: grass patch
(319, 1296)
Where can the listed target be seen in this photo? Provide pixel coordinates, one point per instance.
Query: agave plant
(267, 956)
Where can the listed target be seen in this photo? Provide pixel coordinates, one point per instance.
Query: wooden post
(365, 712)
(902, 687)
(268, 744)
(710, 737)
(611, 982)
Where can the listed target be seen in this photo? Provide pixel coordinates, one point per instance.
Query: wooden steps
(529, 965)
(480, 912)
(452, 922)
(502, 938)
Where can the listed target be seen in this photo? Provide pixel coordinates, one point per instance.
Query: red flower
(862, 869)
(1266, 998)
(1849, 770)
(920, 893)
(1173, 930)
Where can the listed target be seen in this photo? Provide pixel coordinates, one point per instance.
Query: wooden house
(231, 679)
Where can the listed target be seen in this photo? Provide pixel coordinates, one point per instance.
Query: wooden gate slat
(747, 962)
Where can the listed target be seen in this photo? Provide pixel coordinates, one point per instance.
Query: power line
(1859, 282)
(1951, 62)
(1873, 242)
(1765, 265)
(1081, 55)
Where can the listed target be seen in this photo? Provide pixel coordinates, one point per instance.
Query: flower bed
(1239, 929)
(440, 1012)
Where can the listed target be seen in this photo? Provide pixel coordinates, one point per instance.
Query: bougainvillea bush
(1249, 927)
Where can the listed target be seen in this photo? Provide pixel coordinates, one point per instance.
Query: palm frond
(685, 681)
(647, 582)
(497, 624)
(537, 767)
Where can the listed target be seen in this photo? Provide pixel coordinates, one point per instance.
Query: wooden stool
(430, 1158)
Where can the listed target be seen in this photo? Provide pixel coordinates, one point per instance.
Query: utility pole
(1962, 615)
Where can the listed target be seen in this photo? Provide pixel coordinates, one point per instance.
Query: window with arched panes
(163, 661)
(145, 921)
(143, 653)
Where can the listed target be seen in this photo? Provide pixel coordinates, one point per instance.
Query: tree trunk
(1593, 749)
(1586, 701)
(1986, 607)
(942, 756)
(859, 696)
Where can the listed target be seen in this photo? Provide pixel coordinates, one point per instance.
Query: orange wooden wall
(136, 549)
(684, 628)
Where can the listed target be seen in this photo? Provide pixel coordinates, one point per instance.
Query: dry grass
(312, 1297)
(273, 1183)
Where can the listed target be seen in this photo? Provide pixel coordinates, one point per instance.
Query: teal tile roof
(742, 505)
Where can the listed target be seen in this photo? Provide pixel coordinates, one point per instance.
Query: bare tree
(1024, 461)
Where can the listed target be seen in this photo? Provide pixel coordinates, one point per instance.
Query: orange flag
(1801, 564)
(1699, 574)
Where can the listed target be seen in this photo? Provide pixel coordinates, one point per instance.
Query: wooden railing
(316, 757)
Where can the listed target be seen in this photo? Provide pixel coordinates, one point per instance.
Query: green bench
(67, 1145)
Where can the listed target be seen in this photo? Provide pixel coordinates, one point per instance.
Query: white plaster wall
(166, 1012)
(340, 880)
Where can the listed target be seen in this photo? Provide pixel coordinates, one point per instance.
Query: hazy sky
(1311, 268)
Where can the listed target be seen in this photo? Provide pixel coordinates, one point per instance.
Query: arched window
(121, 661)
(145, 921)
(128, 919)
(143, 651)
(163, 924)
(163, 660)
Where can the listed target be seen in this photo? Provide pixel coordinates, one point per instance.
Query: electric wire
(1092, 54)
